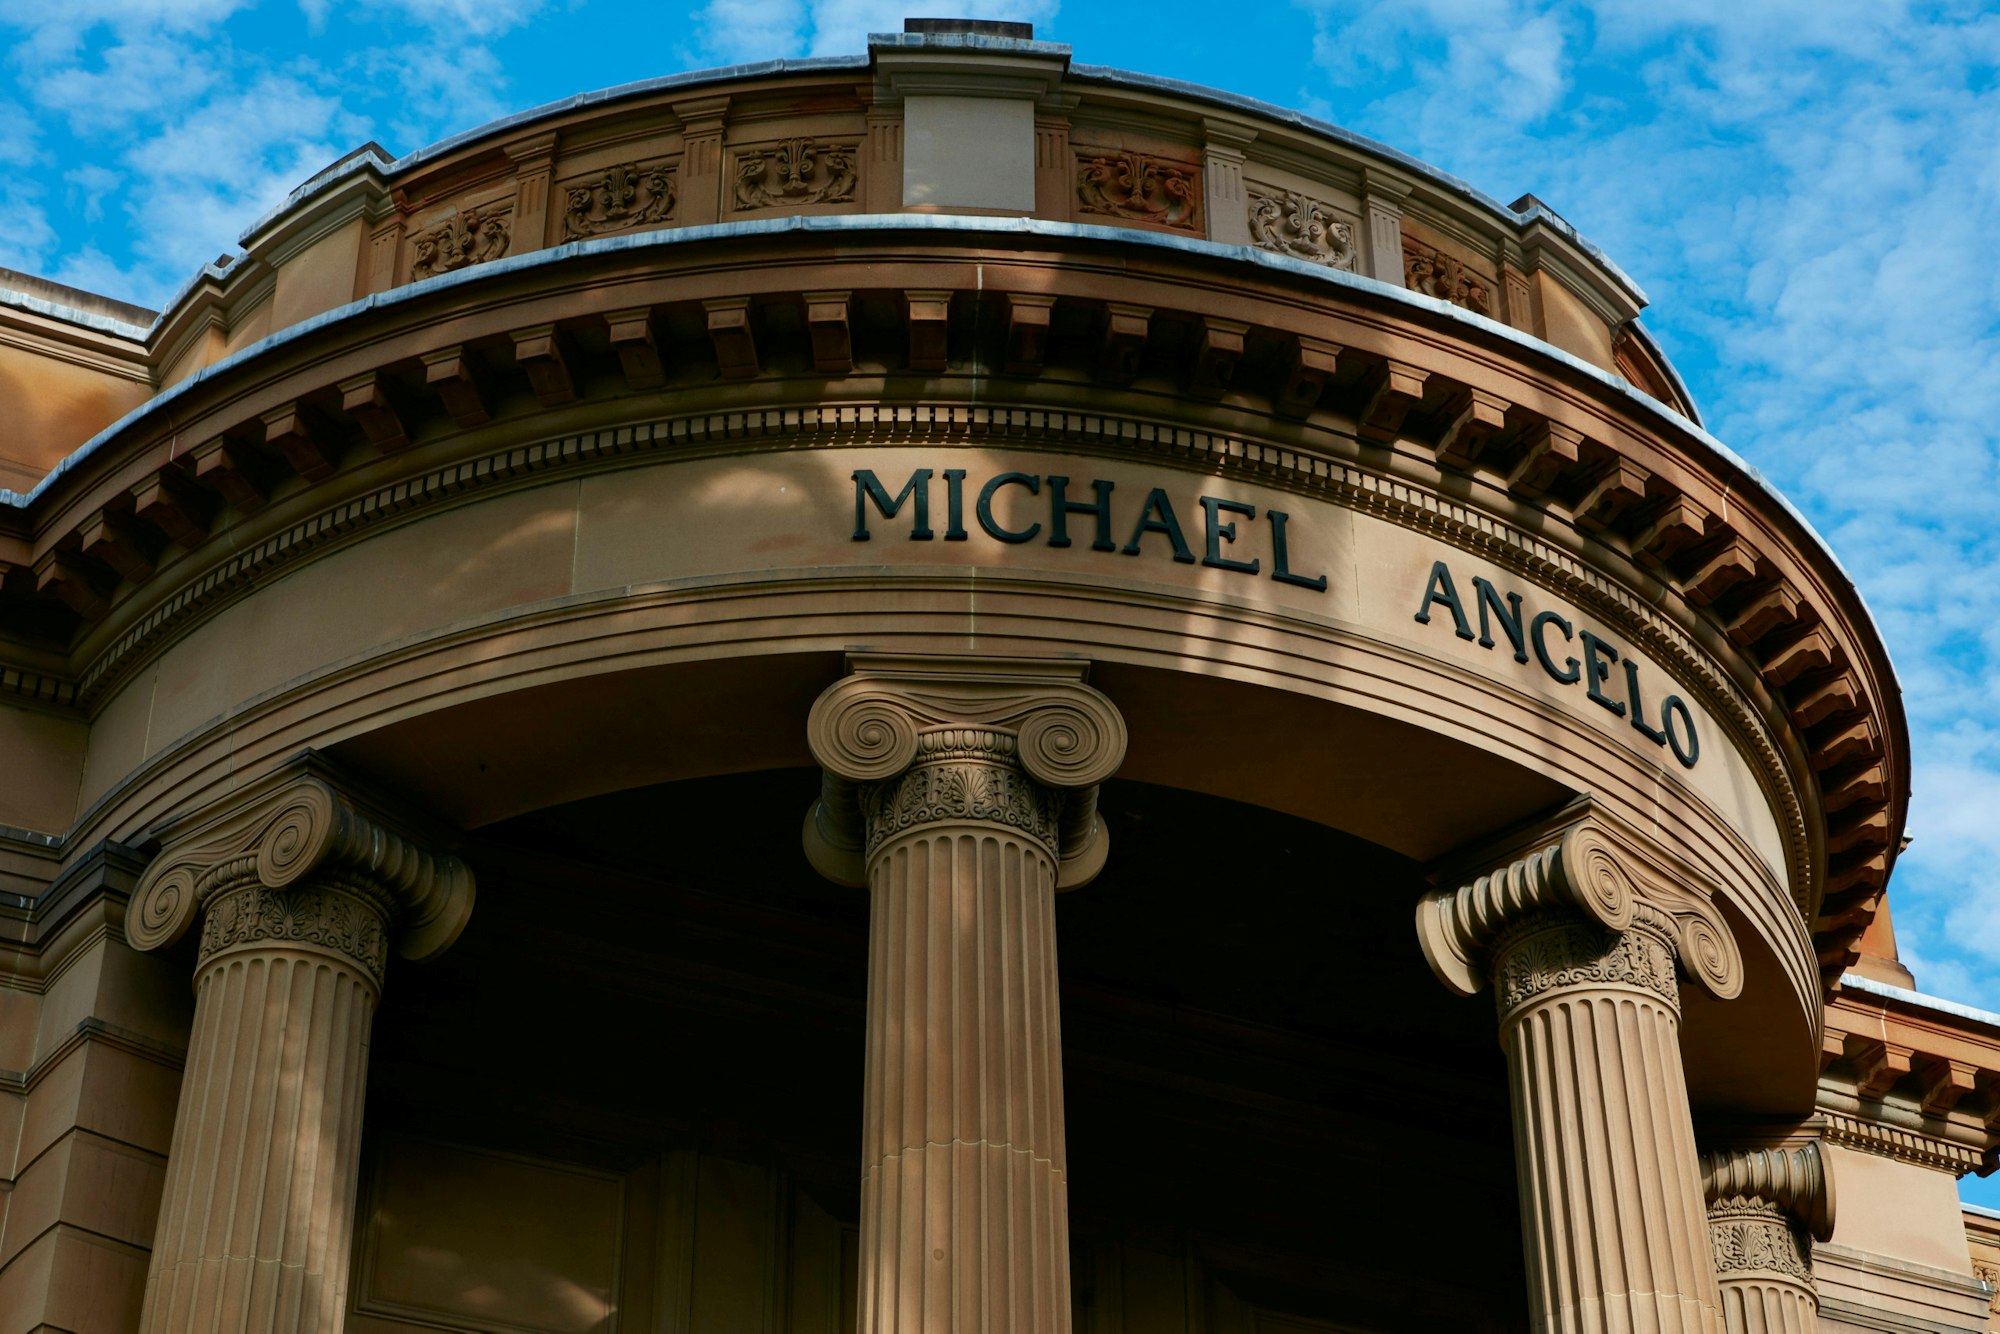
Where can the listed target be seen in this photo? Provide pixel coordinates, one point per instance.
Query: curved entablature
(932, 123)
(670, 345)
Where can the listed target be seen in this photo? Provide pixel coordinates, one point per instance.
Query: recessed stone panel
(467, 1239)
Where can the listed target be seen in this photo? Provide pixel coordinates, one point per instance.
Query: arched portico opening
(659, 991)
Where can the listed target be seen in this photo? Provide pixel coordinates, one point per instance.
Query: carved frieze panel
(470, 236)
(1140, 188)
(1989, 1275)
(795, 172)
(1429, 270)
(1287, 222)
(1758, 1238)
(1579, 954)
(344, 918)
(969, 790)
(630, 194)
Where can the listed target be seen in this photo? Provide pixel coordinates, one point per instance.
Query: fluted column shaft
(1611, 1210)
(963, 793)
(1765, 1206)
(257, 1215)
(964, 1210)
(1580, 939)
(301, 888)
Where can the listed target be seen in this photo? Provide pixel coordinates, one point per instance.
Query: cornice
(1923, 1080)
(113, 353)
(1753, 590)
(91, 1029)
(1547, 246)
(220, 299)
(1900, 1143)
(357, 193)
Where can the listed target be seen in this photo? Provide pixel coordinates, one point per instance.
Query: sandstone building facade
(944, 690)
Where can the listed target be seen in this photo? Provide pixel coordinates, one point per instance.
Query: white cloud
(1806, 188)
(91, 270)
(54, 29)
(458, 18)
(1510, 56)
(733, 32)
(441, 89)
(27, 239)
(144, 76)
(206, 177)
(19, 135)
(208, 132)
(89, 187)
(739, 31)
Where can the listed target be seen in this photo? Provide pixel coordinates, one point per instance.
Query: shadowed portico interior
(690, 1026)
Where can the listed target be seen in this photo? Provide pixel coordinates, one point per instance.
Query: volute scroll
(282, 831)
(1037, 739)
(1796, 1181)
(1584, 870)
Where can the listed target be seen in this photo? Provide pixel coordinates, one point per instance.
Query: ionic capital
(908, 742)
(1794, 1181)
(301, 857)
(1579, 907)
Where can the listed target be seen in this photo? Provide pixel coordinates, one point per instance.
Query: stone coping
(1870, 987)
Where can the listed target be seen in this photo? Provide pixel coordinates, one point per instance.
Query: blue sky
(1807, 189)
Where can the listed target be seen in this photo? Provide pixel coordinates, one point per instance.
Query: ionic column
(1582, 956)
(301, 891)
(963, 794)
(1766, 1206)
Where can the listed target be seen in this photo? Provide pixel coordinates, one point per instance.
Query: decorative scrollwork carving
(797, 171)
(347, 919)
(1146, 189)
(1290, 223)
(865, 727)
(957, 790)
(1708, 950)
(1758, 1238)
(1073, 743)
(631, 194)
(280, 833)
(1578, 871)
(1552, 953)
(862, 736)
(472, 236)
(909, 742)
(1445, 277)
(1989, 1276)
(1583, 872)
